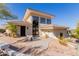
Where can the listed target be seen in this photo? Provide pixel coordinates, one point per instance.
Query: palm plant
(5, 13)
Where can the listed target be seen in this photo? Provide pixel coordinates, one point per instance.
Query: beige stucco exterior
(29, 20)
(53, 33)
(44, 29)
(29, 30)
(57, 32)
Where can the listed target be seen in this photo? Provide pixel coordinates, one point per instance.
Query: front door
(22, 31)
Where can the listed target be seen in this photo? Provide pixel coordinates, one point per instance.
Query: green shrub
(75, 35)
(12, 28)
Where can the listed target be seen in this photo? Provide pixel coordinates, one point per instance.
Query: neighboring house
(36, 23)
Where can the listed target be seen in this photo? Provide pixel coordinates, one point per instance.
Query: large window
(48, 21)
(42, 20)
(35, 26)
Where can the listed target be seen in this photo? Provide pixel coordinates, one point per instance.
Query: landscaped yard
(40, 47)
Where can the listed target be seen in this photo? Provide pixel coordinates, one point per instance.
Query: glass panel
(48, 21)
(35, 26)
(42, 20)
(35, 17)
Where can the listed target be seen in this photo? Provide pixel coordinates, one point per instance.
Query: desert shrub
(63, 41)
(61, 38)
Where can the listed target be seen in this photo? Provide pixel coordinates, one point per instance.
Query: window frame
(35, 16)
(48, 21)
(42, 20)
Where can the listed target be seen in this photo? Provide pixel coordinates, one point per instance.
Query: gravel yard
(49, 47)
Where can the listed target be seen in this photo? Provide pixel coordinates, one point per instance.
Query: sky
(65, 14)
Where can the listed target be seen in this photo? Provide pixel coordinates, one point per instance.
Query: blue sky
(66, 14)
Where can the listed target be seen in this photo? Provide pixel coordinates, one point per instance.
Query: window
(35, 21)
(35, 26)
(42, 20)
(48, 21)
(35, 17)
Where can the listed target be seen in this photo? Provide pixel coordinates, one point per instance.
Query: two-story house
(37, 23)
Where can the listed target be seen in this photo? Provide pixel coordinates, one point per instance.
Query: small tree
(11, 27)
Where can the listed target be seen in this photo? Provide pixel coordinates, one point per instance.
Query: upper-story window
(48, 21)
(42, 20)
(35, 17)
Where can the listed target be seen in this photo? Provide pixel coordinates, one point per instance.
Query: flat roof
(34, 12)
(52, 26)
(41, 11)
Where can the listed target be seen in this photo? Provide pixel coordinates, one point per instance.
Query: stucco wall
(29, 20)
(53, 34)
(29, 27)
(29, 30)
(47, 34)
(57, 33)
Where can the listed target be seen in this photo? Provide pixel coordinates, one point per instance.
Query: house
(39, 24)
